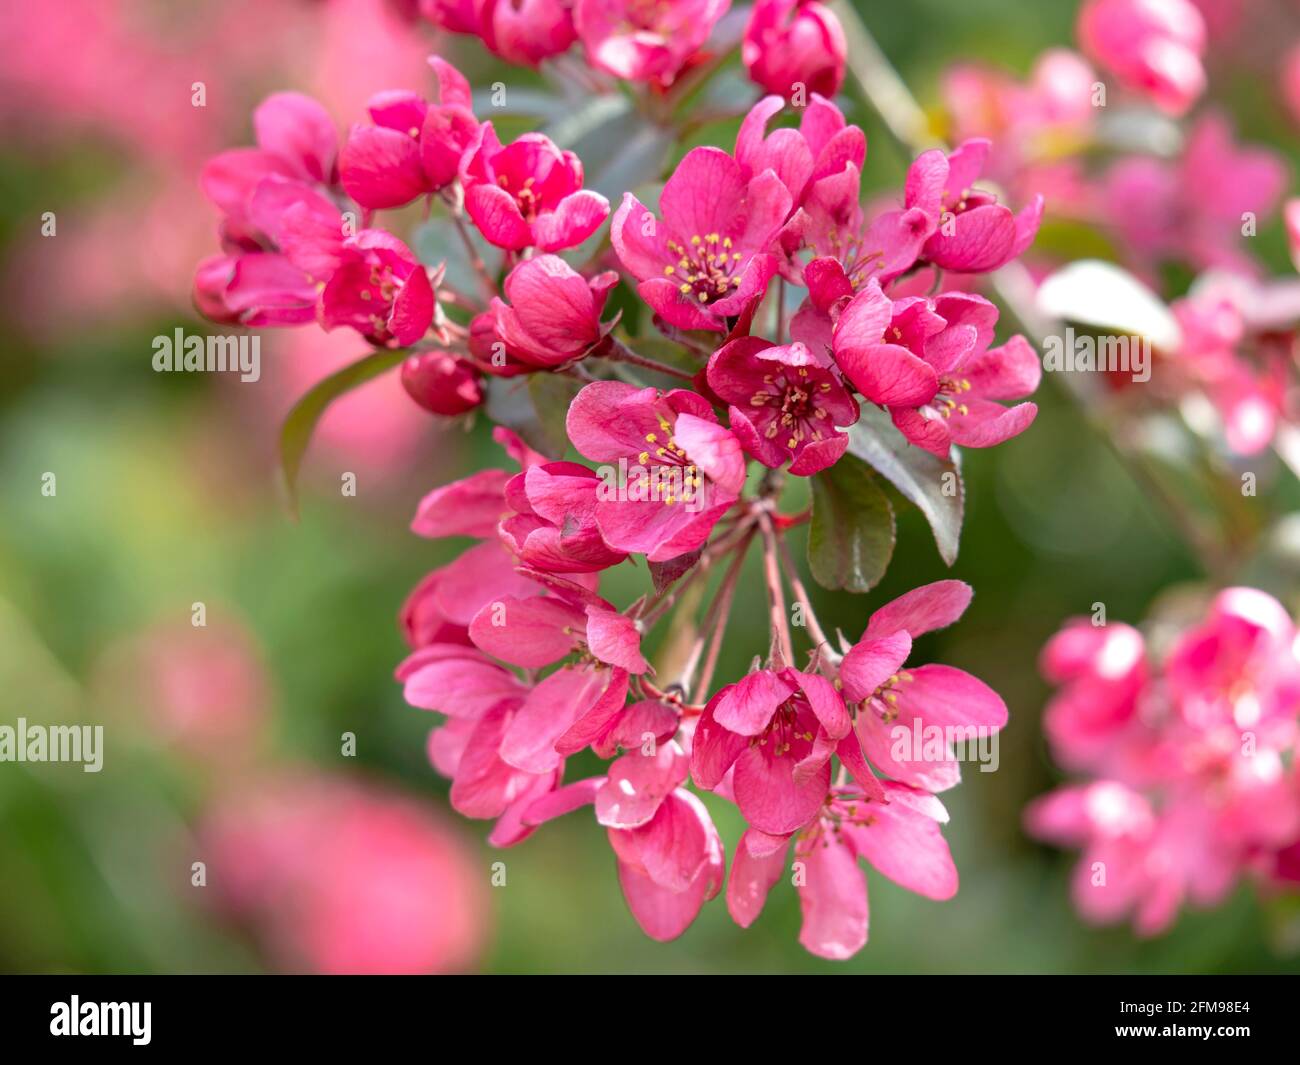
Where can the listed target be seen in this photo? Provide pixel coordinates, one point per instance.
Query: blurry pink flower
(554, 312)
(792, 43)
(340, 878)
(896, 832)
(929, 362)
(526, 31)
(1249, 402)
(413, 148)
(1291, 82)
(381, 290)
(458, 16)
(783, 406)
(528, 193)
(442, 383)
(611, 420)
(1153, 46)
(709, 257)
(886, 696)
(1102, 671)
(645, 40)
(776, 732)
(1194, 208)
(1191, 753)
(204, 691)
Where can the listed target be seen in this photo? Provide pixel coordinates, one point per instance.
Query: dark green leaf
(852, 534)
(933, 484)
(535, 407)
(296, 432)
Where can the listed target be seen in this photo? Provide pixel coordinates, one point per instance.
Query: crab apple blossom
(413, 147)
(281, 231)
(793, 43)
(887, 694)
(896, 832)
(1193, 207)
(669, 855)
(535, 661)
(1154, 47)
(708, 258)
(776, 732)
(554, 312)
(823, 146)
(1188, 751)
(929, 363)
(645, 40)
(971, 231)
(528, 193)
(675, 431)
(783, 406)
(381, 290)
(525, 31)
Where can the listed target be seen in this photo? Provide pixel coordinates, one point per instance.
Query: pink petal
(833, 899)
(924, 609)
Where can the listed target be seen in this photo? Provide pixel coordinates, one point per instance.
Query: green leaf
(933, 484)
(852, 534)
(535, 407)
(296, 432)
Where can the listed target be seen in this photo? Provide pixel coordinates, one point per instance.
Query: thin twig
(782, 651)
(820, 641)
(621, 353)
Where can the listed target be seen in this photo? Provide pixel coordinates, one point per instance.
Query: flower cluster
(790, 309)
(1189, 754)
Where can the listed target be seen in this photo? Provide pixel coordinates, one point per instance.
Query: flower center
(782, 730)
(705, 268)
(789, 401)
(943, 401)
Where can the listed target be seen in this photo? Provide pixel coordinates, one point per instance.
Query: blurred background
(226, 743)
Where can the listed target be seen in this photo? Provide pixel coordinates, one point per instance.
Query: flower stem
(782, 652)
(815, 630)
(621, 353)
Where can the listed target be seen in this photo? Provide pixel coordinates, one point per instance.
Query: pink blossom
(1213, 335)
(442, 383)
(1153, 46)
(886, 696)
(792, 43)
(778, 729)
(823, 146)
(526, 31)
(675, 433)
(783, 406)
(381, 290)
(670, 857)
(1189, 752)
(1193, 208)
(414, 147)
(645, 41)
(929, 362)
(553, 316)
(896, 832)
(709, 258)
(970, 231)
(528, 193)
(553, 528)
